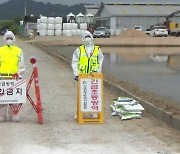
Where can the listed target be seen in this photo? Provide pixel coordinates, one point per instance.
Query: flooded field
(153, 70)
(158, 74)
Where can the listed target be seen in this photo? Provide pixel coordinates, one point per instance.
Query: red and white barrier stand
(36, 105)
(16, 91)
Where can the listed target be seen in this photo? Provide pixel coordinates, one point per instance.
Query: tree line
(13, 11)
(16, 8)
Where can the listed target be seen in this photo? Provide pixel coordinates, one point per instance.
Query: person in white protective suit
(88, 57)
(89, 47)
(11, 65)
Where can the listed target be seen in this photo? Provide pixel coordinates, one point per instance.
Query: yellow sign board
(90, 103)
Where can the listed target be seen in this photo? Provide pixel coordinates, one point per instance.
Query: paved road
(60, 133)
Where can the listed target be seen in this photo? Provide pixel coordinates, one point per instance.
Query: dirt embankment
(126, 38)
(131, 33)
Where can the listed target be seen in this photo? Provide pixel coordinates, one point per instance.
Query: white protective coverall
(89, 47)
(21, 68)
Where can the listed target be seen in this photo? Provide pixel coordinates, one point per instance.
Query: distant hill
(16, 8)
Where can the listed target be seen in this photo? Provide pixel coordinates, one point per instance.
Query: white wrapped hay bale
(38, 21)
(74, 26)
(78, 32)
(50, 32)
(42, 32)
(50, 26)
(51, 20)
(43, 26)
(67, 32)
(67, 26)
(58, 32)
(83, 26)
(43, 19)
(58, 20)
(58, 26)
(38, 27)
(74, 32)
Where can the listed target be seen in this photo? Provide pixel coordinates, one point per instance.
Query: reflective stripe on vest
(9, 60)
(88, 64)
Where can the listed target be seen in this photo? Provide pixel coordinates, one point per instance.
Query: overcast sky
(65, 2)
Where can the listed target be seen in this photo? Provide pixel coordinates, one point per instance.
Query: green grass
(5, 21)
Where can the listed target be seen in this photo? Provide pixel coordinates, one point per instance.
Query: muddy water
(158, 74)
(154, 73)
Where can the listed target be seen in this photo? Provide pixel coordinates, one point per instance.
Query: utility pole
(25, 9)
(25, 13)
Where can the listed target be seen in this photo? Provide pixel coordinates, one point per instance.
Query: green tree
(14, 28)
(17, 20)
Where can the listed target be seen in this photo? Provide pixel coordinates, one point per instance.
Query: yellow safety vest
(88, 64)
(9, 60)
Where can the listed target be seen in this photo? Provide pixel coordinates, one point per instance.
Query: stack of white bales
(83, 27)
(70, 29)
(58, 26)
(74, 29)
(38, 25)
(50, 26)
(42, 26)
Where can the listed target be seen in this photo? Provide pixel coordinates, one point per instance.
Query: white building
(129, 13)
(92, 9)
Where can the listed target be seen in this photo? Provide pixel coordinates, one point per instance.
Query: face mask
(88, 40)
(9, 42)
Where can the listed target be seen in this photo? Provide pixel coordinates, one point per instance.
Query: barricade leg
(16, 109)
